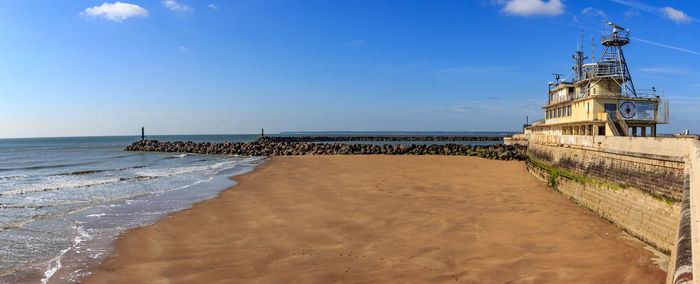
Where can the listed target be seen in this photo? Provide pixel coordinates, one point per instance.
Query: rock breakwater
(376, 138)
(262, 148)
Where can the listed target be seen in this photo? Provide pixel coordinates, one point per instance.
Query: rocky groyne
(376, 138)
(262, 147)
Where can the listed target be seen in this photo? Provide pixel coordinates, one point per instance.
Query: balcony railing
(615, 38)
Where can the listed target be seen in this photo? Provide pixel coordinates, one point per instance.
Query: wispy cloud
(637, 5)
(212, 6)
(492, 104)
(533, 7)
(356, 43)
(590, 11)
(116, 11)
(666, 46)
(176, 6)
(666, 70)
(675, 15)
(632, 12)
(182, 48)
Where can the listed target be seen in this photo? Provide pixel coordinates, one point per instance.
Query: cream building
(602, 100)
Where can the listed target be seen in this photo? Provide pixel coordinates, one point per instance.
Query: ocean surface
(63, 201)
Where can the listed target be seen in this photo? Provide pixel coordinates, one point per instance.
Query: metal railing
(615, 37)
(646, 93)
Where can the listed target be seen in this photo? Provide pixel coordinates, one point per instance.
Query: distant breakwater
(260, 147)
(376, 138)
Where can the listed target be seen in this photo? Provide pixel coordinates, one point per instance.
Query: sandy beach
(319, 219)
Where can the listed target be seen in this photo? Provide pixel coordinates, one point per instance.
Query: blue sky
(75, 68)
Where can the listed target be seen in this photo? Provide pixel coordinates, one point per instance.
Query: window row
(558, 112)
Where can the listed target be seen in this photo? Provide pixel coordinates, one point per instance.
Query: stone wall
(650, 219)
(660, 176)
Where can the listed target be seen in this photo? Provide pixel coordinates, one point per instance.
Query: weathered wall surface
(657, 181)
(691, 262)
(638, 213)
(646, 185)
(661, 176)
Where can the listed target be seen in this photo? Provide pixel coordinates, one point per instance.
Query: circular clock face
(628, 110)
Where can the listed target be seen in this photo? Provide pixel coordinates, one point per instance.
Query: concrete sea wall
(648, 186)
(651, 220)
(660, 176)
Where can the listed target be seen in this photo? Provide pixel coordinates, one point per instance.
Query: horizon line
(278, 133)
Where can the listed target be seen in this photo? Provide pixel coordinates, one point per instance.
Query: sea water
(64, 200)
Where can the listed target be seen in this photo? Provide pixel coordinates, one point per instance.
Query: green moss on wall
(555, 172)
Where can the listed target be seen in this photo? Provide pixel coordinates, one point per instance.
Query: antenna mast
(578, 59)
(612, 63)
(592, 49)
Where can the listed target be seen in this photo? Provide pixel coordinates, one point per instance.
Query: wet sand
(314, 219)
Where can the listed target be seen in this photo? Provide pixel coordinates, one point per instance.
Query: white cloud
(676, 15)
(213, 7)
(176, 7)
(182, 48)
(590, 11)
(116, 11)
(534, 7)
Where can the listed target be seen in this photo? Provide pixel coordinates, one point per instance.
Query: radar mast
(612, 63)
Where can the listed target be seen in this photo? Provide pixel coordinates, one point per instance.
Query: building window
(568, 110)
